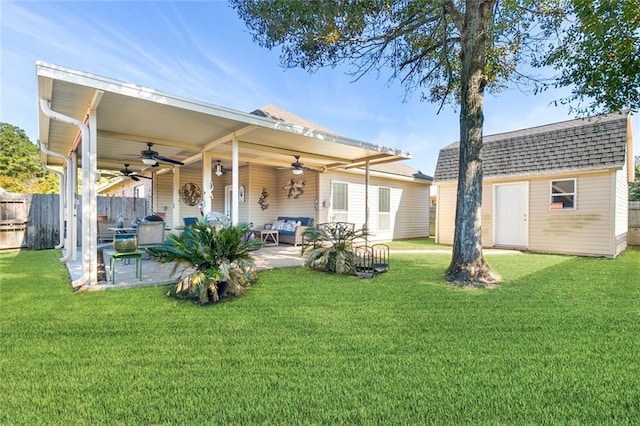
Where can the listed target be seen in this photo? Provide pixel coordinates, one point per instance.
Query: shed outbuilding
(557, 188)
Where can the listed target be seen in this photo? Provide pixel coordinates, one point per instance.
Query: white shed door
(510, 216)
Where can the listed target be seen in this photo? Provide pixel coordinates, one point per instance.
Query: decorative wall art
(294, 187)
(241, 194)
(263, 199)
(191, 194)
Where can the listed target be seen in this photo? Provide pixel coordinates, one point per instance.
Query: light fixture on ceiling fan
(151, 157)
(297, 168)
(219, 169)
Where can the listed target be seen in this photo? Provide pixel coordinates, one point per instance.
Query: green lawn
(557, 343)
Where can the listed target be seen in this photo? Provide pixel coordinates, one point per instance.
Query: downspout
(60, 206)
(63, 192)
(86, 230)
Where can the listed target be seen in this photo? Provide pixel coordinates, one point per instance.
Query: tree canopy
(598, 54)
(452, 51)
(20, 168)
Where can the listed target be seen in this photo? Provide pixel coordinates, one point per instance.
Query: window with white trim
(563, 194)
(340, 201)
(384, 209)
(138, 191)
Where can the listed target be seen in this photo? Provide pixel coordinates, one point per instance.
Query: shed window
(563, 194)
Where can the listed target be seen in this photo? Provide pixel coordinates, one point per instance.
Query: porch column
(367, 180)
(235, 205)
(72, 226)
(207, 183)
(175, 197)
(89, 199)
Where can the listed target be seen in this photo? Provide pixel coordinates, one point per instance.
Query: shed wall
(588, 230)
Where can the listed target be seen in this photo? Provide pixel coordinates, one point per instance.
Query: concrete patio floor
(154, 273)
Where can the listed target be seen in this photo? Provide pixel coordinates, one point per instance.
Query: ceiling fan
(151, 157)
(297, 168)
(127, 172)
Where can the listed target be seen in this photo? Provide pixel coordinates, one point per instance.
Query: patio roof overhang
(101, 124)
(128, 116)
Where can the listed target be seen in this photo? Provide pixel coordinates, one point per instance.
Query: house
(398, 196)
(195, 157)
(557, 188)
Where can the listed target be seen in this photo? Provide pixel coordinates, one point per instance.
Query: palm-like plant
(331, 247)
(210, 257)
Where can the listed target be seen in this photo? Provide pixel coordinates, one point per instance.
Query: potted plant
(214, 260)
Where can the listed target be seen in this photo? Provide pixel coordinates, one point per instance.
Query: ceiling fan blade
(134, 177)
(141, 176)
(168, 160)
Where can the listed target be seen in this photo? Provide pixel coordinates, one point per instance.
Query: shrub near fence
(633, 236)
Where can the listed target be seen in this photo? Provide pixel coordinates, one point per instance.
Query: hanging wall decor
(263, 199)
(294, 187)
(191, 194)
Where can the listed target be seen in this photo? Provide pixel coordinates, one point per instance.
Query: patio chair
(150, 234)
(105, 235)
(188, 221)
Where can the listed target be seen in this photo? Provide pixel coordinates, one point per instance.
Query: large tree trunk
(468, 266)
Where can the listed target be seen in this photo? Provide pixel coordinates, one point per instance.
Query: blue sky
(203, 51)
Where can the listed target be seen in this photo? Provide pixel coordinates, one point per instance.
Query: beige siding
(588, 230)
(261, 177)
(304, 205)
(622, 210)
(446, 213)
(409, 205)
(409, 210)
(163, 187)
(409, 200)
(584, 231)
(487, 215)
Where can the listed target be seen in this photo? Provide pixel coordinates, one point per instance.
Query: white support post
(235, 180)
(175, 196)
(89, 199)
(207, 183)
(367, 181)
(72, 226)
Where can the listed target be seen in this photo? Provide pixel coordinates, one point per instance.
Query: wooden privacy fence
(633, 236)
(32, 221)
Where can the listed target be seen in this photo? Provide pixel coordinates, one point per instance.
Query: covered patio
(155, 273)
(92, 123)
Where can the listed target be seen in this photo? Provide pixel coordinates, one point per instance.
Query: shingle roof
(401, 169)
(276, 113)
(591, 143)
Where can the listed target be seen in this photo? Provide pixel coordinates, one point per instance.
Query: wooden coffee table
(268, 237)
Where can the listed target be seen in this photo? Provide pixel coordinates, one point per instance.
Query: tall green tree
(20, 168)
(450, 51)
(598, 54)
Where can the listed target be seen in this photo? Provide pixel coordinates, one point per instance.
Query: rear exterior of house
(398, 195)
(559, 188)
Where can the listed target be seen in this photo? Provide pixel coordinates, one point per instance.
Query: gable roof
(582, 144)
(276, 113)
(397, 168)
